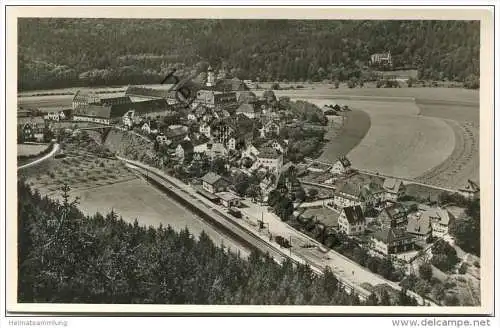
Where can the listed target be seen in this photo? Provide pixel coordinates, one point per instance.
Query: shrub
(463, 268)
(476, 264)
(425, 271)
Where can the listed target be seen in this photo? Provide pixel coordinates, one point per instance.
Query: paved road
(349, 273)
(41, 159)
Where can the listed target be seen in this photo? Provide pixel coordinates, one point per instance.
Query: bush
(476, 264)
(425, 271)
(463, 268)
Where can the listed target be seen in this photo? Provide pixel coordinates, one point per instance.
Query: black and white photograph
(238, 160)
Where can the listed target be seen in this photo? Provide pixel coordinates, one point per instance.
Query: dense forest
(65, 257)
(76, 52)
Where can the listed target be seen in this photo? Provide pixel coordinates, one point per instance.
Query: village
(254, 157)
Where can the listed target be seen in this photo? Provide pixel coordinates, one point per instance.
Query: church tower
(210, 77)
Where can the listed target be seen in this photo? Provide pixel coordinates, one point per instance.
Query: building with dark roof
(419, 226)
(94, 113)
(228, 85)
(138, 93)
(115, 101)
(440, 220)
(247, 110)
(347, 195)
(393, 216)
(140, 108)
(352, 221)
(392, 241)
(394, 188)
(270, 159)
(214, 183)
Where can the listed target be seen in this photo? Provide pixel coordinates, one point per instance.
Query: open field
(461, 112)
(398, 142)
(30, 149)
(356, 125)
(462, 164)
(136, 199)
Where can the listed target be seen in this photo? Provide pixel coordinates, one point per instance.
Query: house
(115, 101)
(222, 131)
(228, 199)
(392, 241)
(269, 129)
(214, 183)
(128, 119)
(371, 195)
(146, 128)
(211, 150)
(176, 133)
(163, 140)
(216, 99)
(384, 59)
(440, 220)
(247, 97)
(352, 221)
(471, 190)
(250, 151)
(184, 150)
(394, 189)
(270, 159)
(82, 100)
(279, 146)
(93, 113)
(247, 110)
(205, 129)
(347, 195)
(341, 166)
(231, 144)
(55, 116)
(140, 94)
(419, 227)
(393, 216)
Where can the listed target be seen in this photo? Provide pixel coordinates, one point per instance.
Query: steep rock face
(129, 145)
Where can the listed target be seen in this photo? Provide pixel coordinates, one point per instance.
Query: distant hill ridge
(56, 53)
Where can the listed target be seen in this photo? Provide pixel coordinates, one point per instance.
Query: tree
(300, 194)
(425, 271)
(352, 83)
(312, 193)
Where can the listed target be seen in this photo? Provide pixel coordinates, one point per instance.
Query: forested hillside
(71, 52)
(65, 257)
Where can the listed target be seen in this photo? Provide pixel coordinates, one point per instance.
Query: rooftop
(268, 152)
(227, 196)
(391, 235)
(354, 214)
(419, 225)
(392, 184)
(211, 178)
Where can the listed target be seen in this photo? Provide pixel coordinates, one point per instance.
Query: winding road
(41, 159)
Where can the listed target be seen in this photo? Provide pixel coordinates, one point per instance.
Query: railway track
(227, 225)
